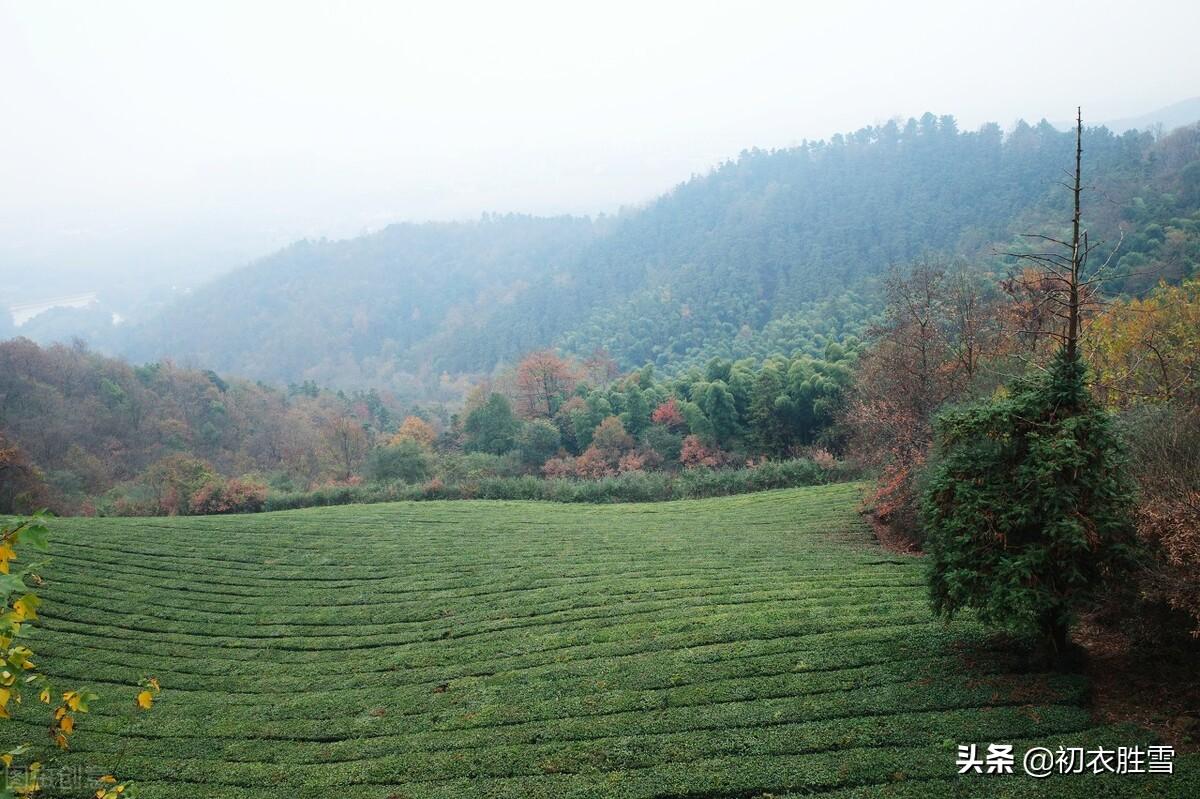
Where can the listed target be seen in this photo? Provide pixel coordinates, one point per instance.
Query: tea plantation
(734, 647)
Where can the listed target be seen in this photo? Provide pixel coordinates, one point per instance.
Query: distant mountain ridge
(754, 250)
(1176, 115)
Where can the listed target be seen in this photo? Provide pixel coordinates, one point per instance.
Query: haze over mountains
(1185, 112)
(719, 265)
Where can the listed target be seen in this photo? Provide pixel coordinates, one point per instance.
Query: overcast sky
(137, 137)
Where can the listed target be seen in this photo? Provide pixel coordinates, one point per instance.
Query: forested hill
(761, 253)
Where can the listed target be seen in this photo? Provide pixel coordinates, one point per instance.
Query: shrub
(595, 463)
(559, 467)
(236, 495)
(630, 486)
(695, 454)
(477, 465)
(129, 499)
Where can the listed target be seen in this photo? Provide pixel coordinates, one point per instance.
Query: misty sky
(150, 138)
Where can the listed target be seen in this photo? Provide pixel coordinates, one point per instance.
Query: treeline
(570, 429)
(568, 416)
(84, 433)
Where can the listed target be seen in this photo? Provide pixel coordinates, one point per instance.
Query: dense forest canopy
(776, 251)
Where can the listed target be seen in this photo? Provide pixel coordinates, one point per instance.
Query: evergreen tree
(1027, 507)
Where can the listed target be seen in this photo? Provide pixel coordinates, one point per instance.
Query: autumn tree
(909, 372)
(668, 415)
(611, 438)
(415, 429)
(694, 453)
(22, 488)
(543, 380)
(346, 444)
(1147, 365)
(1148, 350)
(599, 368)
(175, 479)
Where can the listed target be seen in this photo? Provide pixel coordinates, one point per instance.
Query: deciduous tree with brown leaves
(544, 380)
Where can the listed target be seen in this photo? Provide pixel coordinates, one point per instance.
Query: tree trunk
(1058, 636)
(1076, 249)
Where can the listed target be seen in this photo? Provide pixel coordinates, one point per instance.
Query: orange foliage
(668, 414)
(414, 428)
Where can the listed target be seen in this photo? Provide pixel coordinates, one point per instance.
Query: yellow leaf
(7, 553)
(7, 758)
(45, 695)
(108, 779)
(61, 740)
(5, 694)
(145, 699)
(67, 724)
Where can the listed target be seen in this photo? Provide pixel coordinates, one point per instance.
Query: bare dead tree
(1062, 289)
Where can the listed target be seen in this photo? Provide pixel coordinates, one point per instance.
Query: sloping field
(714, 648)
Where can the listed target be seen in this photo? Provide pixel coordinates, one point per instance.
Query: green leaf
(36, 535)
(11, 584)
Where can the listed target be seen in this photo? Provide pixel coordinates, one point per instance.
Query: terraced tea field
(714, 648)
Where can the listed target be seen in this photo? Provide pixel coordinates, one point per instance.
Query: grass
(709, 648)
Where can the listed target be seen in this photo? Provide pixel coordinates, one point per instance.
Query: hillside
(352, 312)
(1184, 112)
(720, 265)
(531, 650)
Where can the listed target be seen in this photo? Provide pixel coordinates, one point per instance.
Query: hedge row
(627, 487)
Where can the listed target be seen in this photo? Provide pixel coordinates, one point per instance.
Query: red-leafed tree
(544, 380)
(668, 415)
